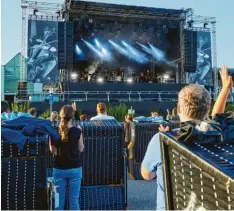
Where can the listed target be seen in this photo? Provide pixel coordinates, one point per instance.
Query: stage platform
(82, 86)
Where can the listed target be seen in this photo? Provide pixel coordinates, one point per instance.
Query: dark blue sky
(221, 9)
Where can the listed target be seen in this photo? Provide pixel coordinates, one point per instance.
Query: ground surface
(141, 195)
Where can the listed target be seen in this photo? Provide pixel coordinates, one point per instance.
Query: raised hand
(226, 79)
(74, 106)
(164, 129)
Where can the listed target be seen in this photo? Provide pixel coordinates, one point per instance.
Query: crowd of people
(193, 107)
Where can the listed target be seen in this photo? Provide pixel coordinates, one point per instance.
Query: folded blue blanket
(14, 137)
(149, 119)
(28, 126)
(11, 116)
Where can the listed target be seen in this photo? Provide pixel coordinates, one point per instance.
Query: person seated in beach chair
(193, 106)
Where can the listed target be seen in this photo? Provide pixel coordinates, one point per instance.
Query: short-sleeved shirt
(102, 117)
(153, 163)
(68, 155)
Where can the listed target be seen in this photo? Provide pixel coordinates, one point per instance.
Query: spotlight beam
(93, 48)
(78, 50)
(157, 53)
(140, 57)
(145, 48)
(98, 43)
(119, 48)
(101, 52)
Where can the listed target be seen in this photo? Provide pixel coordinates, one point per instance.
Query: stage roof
(94, 8)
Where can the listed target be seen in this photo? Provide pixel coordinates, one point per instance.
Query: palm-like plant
(118, 111)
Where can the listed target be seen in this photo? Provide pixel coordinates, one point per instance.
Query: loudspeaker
(65, 45)
(190, 51)
(22, 90)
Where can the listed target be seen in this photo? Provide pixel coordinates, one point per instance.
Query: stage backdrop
(203, 74)
(42, 52)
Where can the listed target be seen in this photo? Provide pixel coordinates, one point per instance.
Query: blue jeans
(72, 179)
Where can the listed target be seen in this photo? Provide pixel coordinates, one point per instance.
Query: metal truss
(76, 8)
(44, 10)
(23, 43)
(182, 75)
(214, 57)
(44, 18)
(42, 5)
(47, 12)
(205, 24)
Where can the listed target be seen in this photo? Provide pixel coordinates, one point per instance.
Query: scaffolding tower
(45, 11)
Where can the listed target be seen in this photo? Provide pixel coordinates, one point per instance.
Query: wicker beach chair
(198, 175)
(24, 179)
(144, 131)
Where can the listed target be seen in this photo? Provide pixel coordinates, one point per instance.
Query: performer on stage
(148, 75)
(142, 78)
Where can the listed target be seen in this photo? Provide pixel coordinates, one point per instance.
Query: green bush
(77, 114)
(21, 107)
(45, 114)
(118, 111)
(229, 107)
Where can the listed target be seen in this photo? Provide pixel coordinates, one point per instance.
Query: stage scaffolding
(35, 11)
(206, 24)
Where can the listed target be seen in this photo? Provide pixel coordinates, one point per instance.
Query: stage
(129, 45)
(124, 87)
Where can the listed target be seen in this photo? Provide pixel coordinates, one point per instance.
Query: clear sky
(223, 10)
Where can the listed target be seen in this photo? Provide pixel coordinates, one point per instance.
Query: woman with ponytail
(67, 161)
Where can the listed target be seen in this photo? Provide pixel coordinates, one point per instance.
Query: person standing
(67, 160)
(54, 119)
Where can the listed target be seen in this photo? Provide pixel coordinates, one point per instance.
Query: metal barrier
(127, 96)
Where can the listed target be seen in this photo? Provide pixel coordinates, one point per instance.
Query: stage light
(166, 76)
(129, 80)
(190, 23)
(58, 12)
(35, 11)
(78, 50)
(205, 25)
(74, 76)
(100, 80)
(90, 20)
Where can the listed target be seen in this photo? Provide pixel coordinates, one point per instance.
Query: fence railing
(126, 96)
